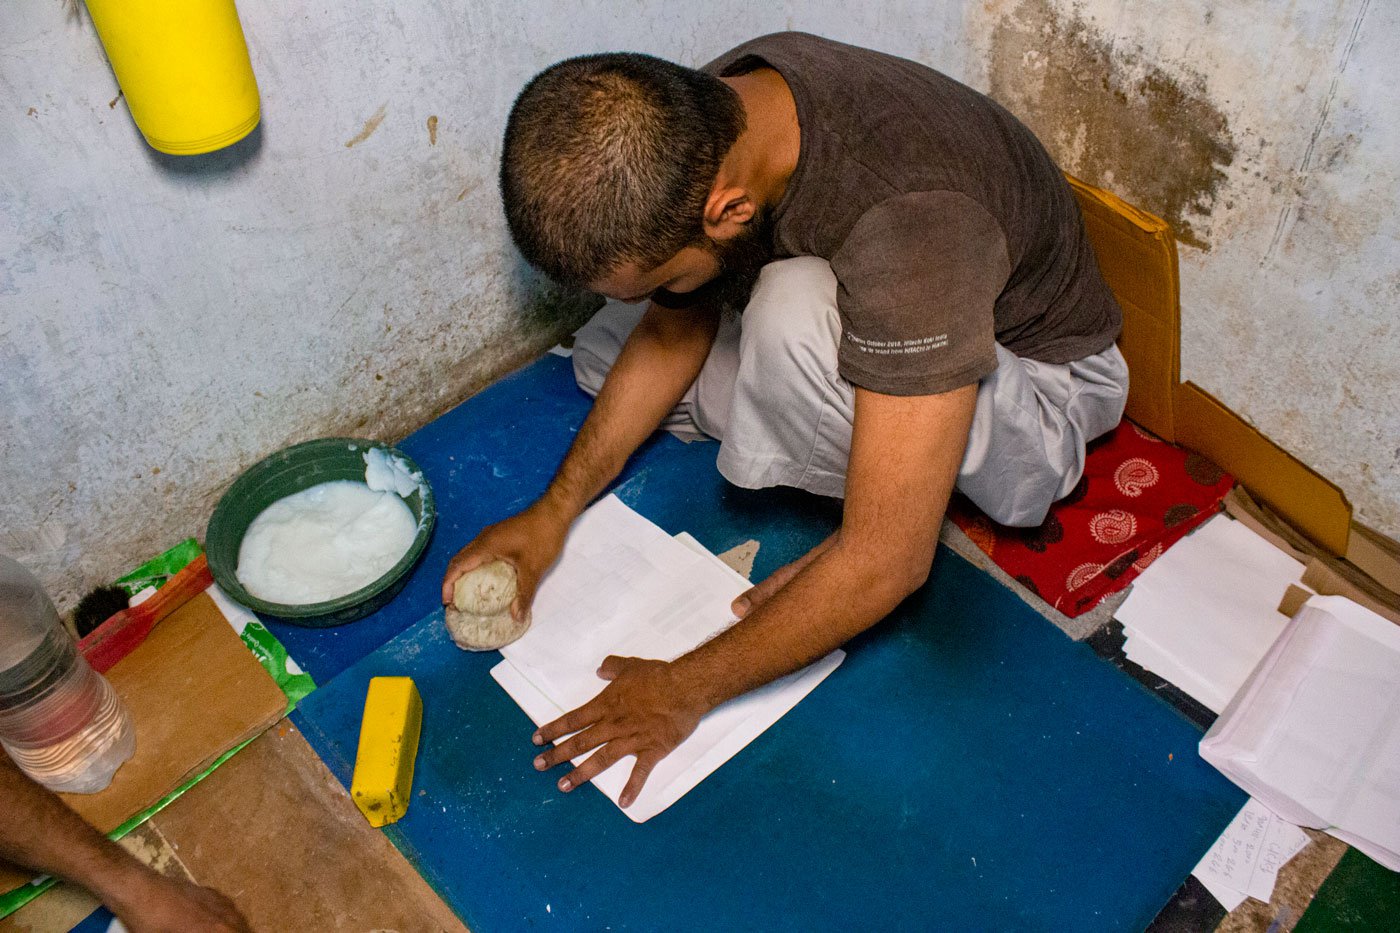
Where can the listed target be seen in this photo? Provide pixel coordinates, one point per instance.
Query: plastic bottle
(60, 720)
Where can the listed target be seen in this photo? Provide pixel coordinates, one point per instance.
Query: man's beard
(741, 259)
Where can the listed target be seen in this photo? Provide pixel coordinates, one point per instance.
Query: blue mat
(968, 766)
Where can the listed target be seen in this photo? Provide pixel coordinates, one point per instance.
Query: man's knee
(598, 343)
(1027, 445)
(1016, 490)
(790, 413)
(791, 318)
(1028, 511)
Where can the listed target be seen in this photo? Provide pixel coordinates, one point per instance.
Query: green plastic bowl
(290, 471)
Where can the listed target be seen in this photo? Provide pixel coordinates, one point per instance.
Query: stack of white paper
(1245, 860)
(1206, 611)
(622, 586)
(1315, 732)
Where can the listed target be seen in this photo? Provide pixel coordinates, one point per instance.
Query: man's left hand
(646, 711)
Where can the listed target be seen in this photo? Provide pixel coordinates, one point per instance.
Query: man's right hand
(530, 542)
(660, 360)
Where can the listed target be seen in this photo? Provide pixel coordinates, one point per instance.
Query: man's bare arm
(660, 360)
(904, 460)
(905, 454)
(39, 833)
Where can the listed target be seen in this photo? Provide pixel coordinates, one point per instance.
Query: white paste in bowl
(324, 542)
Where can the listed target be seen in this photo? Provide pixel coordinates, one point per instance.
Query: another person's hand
(646, 711)
(38, 831)
(530, 542)
(157, 904)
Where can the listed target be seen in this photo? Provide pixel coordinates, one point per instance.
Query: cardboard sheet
(194, 692)
(1376, 555)
(305, 859)
(1137, 254)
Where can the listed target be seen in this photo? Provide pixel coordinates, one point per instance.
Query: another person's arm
(905, 453)
(657, 365)
(39, 833)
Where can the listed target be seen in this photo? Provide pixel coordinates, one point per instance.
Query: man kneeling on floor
(920, 309)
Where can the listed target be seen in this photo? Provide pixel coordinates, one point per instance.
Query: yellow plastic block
(389, 731)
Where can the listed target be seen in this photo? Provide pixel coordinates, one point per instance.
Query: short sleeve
(919, 276)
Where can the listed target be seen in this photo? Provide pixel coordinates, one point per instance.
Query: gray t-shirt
(947, 225)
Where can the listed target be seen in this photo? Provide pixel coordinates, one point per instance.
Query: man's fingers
(744, 602)
(570, 748)
(600, 761)
(463, 563)
(581, 718)
(612, 666)
(525, 584)
(757, 595)
(640, 772)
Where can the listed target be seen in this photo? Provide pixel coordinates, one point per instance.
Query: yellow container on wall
(184, 70)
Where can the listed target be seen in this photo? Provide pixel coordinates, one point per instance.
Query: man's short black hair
(609, 158)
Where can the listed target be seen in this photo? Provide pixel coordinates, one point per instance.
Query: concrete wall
(166, 322)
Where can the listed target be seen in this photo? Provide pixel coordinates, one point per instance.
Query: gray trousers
(770, 394)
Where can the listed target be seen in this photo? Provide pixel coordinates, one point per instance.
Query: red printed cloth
(1139, 496)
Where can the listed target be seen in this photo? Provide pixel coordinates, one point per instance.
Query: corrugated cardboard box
(1137, 253)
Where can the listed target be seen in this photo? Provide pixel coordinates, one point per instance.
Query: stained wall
(1267, 133)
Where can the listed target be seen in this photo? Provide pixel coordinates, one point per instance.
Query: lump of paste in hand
(487, 590)
(479, 618)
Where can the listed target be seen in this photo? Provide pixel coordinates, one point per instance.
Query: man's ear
(727, 210)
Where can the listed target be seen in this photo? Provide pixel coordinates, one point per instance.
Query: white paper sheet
(1206, 611)
(1245, 860)
(1147, 655)
(622, 586)
(720, 736)
(1315, 733)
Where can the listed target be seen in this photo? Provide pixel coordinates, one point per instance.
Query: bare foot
(759, 594)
